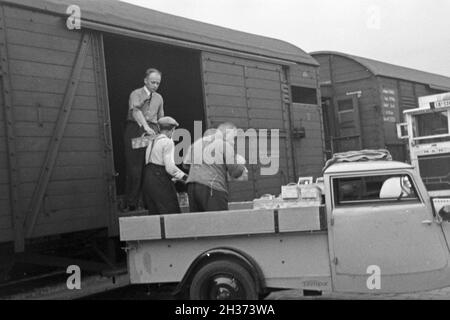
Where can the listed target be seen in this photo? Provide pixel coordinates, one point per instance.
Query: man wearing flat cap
(159, 193)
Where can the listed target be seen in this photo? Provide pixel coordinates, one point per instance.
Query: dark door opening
(181, 86)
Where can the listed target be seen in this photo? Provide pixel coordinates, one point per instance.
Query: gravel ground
(141, 292)
(440, 294)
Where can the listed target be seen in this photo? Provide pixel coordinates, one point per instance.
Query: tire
(223, 280)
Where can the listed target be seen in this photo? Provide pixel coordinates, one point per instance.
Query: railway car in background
(363, 100)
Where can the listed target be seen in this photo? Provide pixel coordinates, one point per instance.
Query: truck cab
(381, 218)
(376, 221)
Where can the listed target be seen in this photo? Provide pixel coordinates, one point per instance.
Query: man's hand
(149, 130)
(240, 159)
(140, 119)
(183, 179)
(244, 176)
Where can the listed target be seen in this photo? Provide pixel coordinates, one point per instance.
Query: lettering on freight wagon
(73, 22)
(74, 280)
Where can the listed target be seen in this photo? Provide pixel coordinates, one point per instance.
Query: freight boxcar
(363, 99)
(64, 97)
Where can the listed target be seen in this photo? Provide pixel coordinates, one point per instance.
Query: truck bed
(222, 223)
(288, 244)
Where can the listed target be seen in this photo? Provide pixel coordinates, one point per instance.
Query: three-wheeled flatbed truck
(377, 231)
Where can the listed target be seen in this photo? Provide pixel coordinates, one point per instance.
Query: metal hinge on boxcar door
(286, 94)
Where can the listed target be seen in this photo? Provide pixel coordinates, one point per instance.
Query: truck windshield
(380, 188)
(430, 124)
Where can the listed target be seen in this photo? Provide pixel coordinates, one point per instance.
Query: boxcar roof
(384, 69)
(131, 17)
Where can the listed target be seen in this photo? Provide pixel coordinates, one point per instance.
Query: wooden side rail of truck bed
(222, 223)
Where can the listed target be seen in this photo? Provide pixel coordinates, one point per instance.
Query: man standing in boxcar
(145, 108)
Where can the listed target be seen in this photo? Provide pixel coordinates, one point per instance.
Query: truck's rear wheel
(223, 280)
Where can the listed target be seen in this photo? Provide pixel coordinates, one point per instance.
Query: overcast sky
(412, 33)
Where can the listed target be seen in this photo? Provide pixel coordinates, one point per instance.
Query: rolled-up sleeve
(161, 109)
(134, 101)
(169, 160)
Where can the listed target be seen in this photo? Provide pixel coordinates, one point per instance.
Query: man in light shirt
(144, 110)
(159, 193)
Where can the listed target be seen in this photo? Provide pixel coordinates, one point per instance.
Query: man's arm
(161, 109)
(169, 161)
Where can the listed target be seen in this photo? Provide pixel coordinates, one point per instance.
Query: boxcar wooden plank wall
(247, 93)
(309, 151)
(324, 70)
(224, 89)
(345, 77)
(42, 53)
(16, 215)
(350, 77)
(6, 219)
(267, 111)
(409, 92)
(344, 69)
(421, 90)
(369, 111)
(407, 95)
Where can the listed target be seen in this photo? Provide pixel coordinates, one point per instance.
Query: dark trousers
(203, 198)
(134, 163)
(160, 196)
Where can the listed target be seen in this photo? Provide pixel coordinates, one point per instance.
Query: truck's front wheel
(223, 280)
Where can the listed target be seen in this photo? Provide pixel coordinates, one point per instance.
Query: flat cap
(168, 121)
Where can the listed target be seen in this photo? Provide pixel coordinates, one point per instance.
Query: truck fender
(229, 253)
